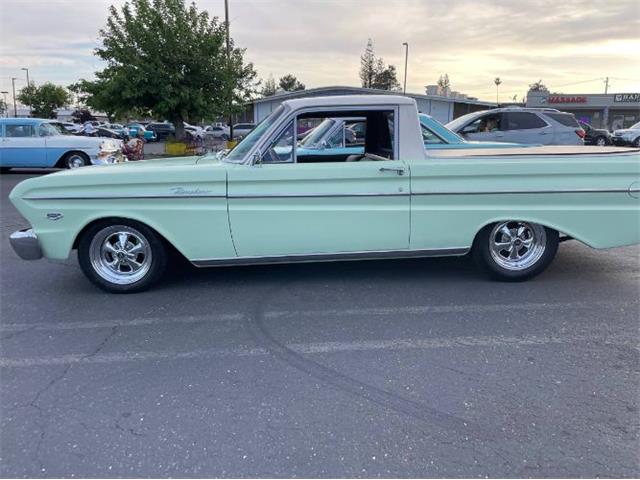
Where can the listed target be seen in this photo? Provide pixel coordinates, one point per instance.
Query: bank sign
(626, 97)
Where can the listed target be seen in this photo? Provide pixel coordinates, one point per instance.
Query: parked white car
(627, 136)
(240, 130)
(215, 131)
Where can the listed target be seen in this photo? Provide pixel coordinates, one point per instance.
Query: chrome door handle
(398, 170)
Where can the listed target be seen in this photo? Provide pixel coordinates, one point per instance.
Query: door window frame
(293, 116)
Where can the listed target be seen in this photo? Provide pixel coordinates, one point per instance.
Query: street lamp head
(405, 44)
(25, 69)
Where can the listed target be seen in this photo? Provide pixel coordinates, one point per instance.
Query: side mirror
(257, 158)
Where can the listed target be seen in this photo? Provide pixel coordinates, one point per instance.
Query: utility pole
(226, 24)
(406, 57)
(606, 85)
(15, 107)
(497, 81)
(28, 84)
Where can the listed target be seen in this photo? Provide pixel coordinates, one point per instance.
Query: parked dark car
(161, 129)
(595, 136)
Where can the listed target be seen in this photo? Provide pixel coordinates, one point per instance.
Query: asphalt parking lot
(413, 368)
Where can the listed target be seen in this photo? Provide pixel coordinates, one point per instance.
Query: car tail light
(580, 132)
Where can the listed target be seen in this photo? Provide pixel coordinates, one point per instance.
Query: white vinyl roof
(350, 100)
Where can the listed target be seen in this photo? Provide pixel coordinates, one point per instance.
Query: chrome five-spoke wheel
(515, 250)
(517, 245)
(122, 257)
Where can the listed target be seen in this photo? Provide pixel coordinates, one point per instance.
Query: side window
(281, 149)
(524, 121)
(19, 131)
(430, 138)
(484, 124)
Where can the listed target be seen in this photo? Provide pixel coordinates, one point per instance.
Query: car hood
(624, 131)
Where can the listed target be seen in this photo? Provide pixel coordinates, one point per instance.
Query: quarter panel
(453, 198)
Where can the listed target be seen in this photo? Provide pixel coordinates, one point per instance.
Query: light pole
(15, 107)
(6, 106)
(27, 70)
(497, 81)
(406, 58)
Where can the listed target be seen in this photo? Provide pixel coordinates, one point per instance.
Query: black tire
(601, 141)
(545, 240)
(636, 142)
(75, 160)
(101, 232)
(225, 137)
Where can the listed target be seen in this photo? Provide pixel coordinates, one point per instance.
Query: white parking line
(318, 348)
(374, 311)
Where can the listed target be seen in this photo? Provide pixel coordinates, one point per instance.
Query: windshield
(48, 130)
(59, 130)
(317, 133)
(635, 127)
(460, 121)
(239, 152)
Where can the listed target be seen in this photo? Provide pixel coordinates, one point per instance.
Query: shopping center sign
(567, 99)
(626, 97)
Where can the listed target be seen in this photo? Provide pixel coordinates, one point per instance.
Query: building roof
(319, 91)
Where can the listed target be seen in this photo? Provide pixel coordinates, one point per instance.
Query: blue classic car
(148, 135)
(37, 143)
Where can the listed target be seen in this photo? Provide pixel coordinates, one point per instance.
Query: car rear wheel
(75, 160)
(515, 250)
(601, 142)
(122, 256)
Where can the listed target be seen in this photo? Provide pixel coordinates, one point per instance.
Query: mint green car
(266, 203)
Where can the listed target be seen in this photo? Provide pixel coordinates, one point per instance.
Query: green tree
(443, 81)
(374, 73)
(168, 60)
(538, 87)
(289, 83)
(45, 99)
(82, 115)
(368, 65)
(3, 108)
(269, 88)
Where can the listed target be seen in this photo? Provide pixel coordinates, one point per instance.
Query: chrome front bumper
(25, 244)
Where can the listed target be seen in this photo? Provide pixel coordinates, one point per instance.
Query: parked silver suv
(536, 126)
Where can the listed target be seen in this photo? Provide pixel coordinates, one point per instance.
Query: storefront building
(611, 111)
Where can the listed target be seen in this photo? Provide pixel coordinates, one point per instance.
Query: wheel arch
(562, 230)
(115, 218)
(60, 162)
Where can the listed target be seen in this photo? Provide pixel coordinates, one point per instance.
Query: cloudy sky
(570, 45)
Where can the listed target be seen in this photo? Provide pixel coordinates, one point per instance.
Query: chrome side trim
(331, 195)
(25, 244)
(319, 195)
(117, 197)
(520, 192)
(330, 257)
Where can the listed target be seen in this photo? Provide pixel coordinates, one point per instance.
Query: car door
(486, 128)
(23, 147)
(527, 128)
(282, 207)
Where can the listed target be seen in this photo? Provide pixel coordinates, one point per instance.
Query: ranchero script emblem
(189, 191)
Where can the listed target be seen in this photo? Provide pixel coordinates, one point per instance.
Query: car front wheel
(76, 160)
(122, 256)
(601, 142)
(515, 250)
